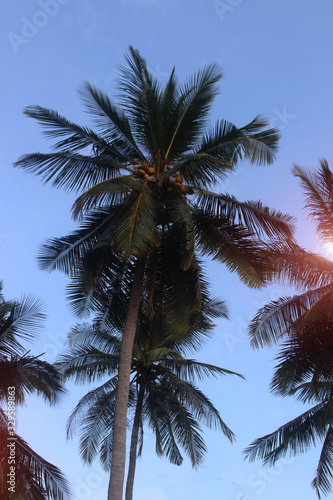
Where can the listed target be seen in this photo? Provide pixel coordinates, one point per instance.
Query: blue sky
(276, 59)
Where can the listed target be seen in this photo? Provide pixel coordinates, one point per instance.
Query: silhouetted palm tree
(20, 375)
(305, 323)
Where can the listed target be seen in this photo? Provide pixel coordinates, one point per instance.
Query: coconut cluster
(174, 181)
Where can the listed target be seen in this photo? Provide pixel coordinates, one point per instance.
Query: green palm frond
(69, 170)
(104, 193)
(230, 144)
(137, 232)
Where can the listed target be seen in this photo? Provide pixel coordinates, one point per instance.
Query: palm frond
(278, 317)
(68, 252)
(105, 193)
(324, 473)
(78, 414)
(69, 170)
(254, 215)
(23, 319)
(137, 232)
(197, 95)
(30, 375)
(234, 246)
(295, 436)
(84, 363)
(318, 187)
(34, 474)
(140, 99)
(112, 122)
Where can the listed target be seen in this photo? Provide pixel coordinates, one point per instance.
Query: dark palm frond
(30, 375)
(111, 121)
(92, 334)
(190, 369)
(277, 318)
(196, 402)
(234, 246)
(293, 265)
(69, 170)
(78, 414)
(34, 475)
(305, 357)
(67, 253)
(180, 213)
(140, 99)
(324, 473)
(100, 194)
(166, 412)
(197, 94)
(254, 215)
(318, 187)
(19, 319)
(97, 423)
(84, 363)
(314, 391)
(295, 436)
(230, 144)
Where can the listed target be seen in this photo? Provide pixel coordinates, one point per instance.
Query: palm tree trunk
(119, 427)
(134, 440)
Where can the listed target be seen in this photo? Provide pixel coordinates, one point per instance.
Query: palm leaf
(295, 436)
(278, 317)
(253, 215)
(324, 473)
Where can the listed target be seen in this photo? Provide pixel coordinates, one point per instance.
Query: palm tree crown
(36, 479)
(305, 360)
(163, 393)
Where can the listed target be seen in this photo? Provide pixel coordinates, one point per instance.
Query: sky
(276, 60)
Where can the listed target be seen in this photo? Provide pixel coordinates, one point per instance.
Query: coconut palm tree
(305, 360)
(293, 314)
(148, 168)
(162, 389)
(20, 375)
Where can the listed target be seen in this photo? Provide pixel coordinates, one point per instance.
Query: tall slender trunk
(134, 439)
(116, 483)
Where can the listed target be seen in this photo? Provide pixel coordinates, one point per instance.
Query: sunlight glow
(328, 249)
